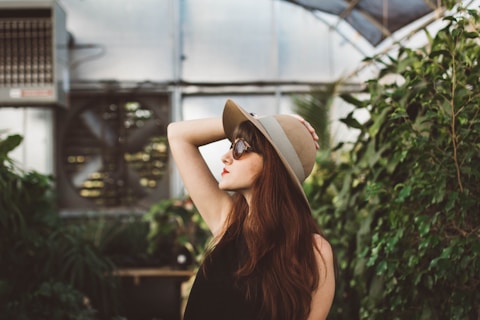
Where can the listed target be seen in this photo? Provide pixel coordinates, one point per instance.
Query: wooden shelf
(137, 273)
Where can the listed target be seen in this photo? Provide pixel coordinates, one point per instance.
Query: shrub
(42, 260)
(402, 205)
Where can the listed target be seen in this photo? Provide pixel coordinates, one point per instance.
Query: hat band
(283, 144)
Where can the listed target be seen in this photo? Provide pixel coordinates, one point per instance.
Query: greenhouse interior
(95, 219)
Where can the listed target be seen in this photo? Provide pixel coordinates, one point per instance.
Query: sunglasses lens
(238, 149)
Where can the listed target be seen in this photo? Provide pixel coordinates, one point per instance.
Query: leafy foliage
(60, 268)
(170, 234)
(316, 108)
(402, 206)
(52, 300)
(176, 223)
(41, 258)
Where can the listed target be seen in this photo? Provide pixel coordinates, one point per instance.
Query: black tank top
(215, 295)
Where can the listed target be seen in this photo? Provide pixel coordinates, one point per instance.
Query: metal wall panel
(203, 41)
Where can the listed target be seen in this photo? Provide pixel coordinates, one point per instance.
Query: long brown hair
(280, 269)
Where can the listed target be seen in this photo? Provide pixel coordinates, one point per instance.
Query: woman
(269, 260)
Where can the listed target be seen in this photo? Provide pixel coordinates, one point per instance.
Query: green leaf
(351, 122)
(10, 143)
(404, 193)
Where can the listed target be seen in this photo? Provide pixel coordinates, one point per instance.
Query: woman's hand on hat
(309, 128)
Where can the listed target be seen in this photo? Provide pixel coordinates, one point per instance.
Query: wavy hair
(280, 269)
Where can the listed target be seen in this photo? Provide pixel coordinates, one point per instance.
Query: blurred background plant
(45, 267)
(176, 224)
(58, 268)
(171, 234)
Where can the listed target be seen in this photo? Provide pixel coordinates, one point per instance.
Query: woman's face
(239, 174)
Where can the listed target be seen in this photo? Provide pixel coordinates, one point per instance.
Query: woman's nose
(227, 156)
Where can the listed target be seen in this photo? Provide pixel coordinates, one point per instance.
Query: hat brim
(234, 115)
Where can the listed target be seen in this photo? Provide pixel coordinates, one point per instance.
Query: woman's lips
(225, 171)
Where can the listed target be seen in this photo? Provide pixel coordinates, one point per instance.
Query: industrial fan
(113, 151)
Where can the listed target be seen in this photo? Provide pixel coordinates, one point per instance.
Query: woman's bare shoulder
(323, 246)
(322, 298)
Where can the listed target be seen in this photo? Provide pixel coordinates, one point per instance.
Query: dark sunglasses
(239, 147)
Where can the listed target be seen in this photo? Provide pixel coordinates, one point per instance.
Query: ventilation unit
(33, 53)
(113, 151)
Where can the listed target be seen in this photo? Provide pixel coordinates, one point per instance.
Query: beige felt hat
(288, 136)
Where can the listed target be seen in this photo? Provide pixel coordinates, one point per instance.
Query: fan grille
(115, 151)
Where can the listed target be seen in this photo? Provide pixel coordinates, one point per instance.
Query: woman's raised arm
(185, 138)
